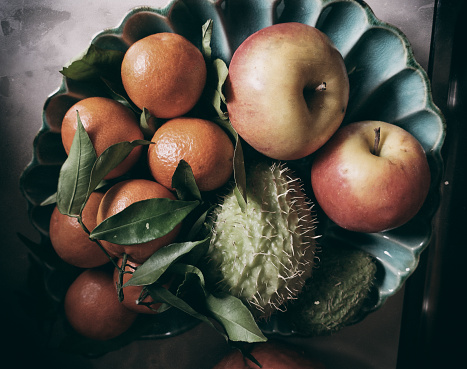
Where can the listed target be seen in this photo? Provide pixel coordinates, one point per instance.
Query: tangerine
(203, 144)
(122, 195)
(92, 307)
(164, 73)
(107, 122)
(71, 242)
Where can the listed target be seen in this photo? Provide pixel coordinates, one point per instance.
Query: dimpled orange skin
(132, 293)
(71, 242)
(201, 143)
(107, 122)
(92, 307)
(271, 355)
(164, 73)
(120, 196)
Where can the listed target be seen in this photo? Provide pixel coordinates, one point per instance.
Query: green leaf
(75, 173)
(206, 36)
(80, 70)
(52, 199)
(217, 98)
(95, 63)
(200, 228)
(240, 175)
(101, 66)
(191, 286)
(227, 127)
(184, 182)
(217, 72)
(143, 221)
(213, 94)
(235, 317)
(238, 163)
(109, 159)
(189, 270)
(149, 123)
(117, 92)
(159, 293)
(222, 73)
(144, 123)
(229, 311)
(150, 271)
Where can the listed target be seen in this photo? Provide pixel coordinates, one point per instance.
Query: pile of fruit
(178, 189)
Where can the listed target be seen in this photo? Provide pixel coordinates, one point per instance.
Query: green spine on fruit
(336, 293)
(263, 255)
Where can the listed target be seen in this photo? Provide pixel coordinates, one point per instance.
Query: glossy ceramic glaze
(386, 83)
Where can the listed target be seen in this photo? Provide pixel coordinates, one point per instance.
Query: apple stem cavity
(377, 140)
(310, 91)
(321, 87)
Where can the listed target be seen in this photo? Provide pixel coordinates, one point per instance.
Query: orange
(132, 293)
(71, 242)
(92, 307)
(120, 196)
(164, 73)
(201, 143)
(107, 122)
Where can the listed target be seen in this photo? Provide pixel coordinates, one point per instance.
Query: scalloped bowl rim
(373, 21)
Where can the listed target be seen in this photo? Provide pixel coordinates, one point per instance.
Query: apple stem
(377, 140)
(321, 87)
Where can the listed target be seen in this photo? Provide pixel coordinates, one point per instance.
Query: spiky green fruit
(265, 254)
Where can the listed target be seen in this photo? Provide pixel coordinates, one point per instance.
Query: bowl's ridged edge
(373, 22)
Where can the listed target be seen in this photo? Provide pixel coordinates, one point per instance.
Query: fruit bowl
(386, 83)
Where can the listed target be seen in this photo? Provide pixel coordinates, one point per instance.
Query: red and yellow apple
(367, 181)
(287, 90)
(271, 355)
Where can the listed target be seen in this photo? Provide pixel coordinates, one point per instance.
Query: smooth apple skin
(363, 192)
(270, 90)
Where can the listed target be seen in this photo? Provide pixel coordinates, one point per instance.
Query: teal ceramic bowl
(386, 84)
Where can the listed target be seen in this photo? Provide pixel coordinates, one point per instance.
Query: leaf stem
(80, 221)
(121, 272)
